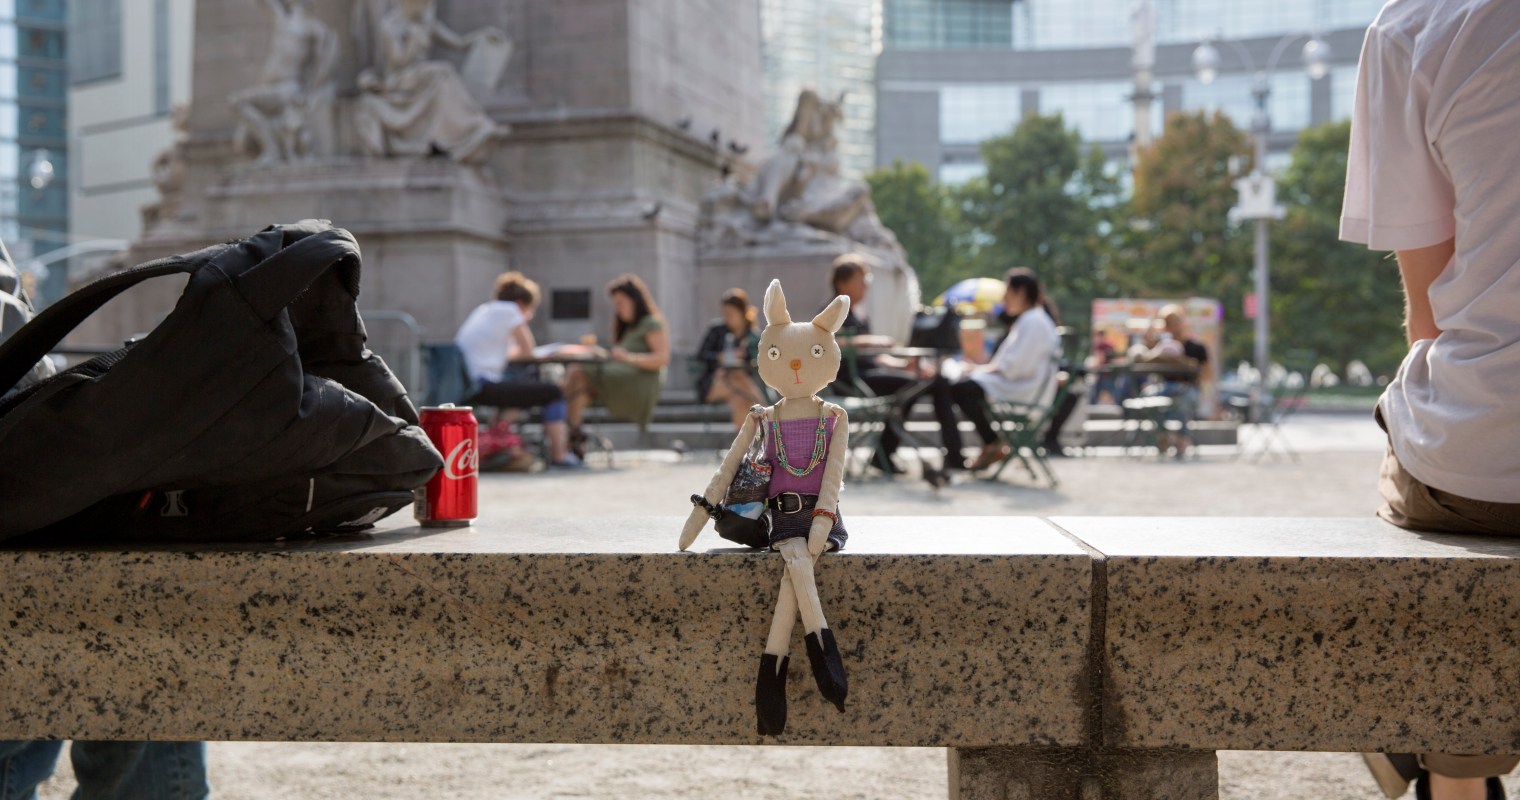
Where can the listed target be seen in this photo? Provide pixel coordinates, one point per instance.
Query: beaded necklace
(820, 445)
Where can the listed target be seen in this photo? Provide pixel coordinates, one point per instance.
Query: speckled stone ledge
(1306, 634)
(970, 632)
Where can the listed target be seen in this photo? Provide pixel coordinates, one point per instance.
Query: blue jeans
(108, 770)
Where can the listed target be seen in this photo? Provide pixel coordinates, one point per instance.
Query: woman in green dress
(629, 384)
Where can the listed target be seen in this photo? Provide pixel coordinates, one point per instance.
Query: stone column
(1005, 773)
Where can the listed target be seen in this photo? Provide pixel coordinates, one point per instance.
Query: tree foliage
(1335, 299)
(1046, 204)
(1180, 242)
(927, 222)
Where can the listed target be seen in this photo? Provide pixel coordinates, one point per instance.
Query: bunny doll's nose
(796, 364)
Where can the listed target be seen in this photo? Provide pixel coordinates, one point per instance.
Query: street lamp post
(1258, 191)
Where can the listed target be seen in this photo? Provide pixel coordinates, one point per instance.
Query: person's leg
(1454, 777)
(885, 383)
(972, 400)
(725, 390)
(24, 765)
(577, 395)
(949, 423)
(140, 770)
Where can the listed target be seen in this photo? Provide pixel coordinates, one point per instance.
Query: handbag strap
(268, 286)
(37, 338)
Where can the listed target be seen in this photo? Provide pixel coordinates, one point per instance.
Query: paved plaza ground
(1335, 477)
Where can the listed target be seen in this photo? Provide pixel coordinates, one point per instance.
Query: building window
(948, 24)
(1099, 111)
(957, 173)
(96, 29)
(1342, 92)
(970, 113)
(161, 47)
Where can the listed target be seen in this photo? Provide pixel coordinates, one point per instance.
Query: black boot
(770, 696)
(828, 667)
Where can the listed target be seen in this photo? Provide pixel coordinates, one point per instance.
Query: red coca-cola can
(448, 499)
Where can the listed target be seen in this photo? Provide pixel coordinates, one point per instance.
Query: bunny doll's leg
(770, 686)
(823, 652)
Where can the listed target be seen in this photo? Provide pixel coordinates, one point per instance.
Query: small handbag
(742, 517)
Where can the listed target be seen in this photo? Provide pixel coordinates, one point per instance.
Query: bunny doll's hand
(694, 525)
(818, 536)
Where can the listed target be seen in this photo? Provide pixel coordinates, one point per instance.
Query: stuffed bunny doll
(806, 441)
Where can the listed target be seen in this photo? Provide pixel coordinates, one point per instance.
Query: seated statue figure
(802, 182)
(413, 106)
(277, 117)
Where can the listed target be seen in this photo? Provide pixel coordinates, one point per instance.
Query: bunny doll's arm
(721, 479)
(833, 480)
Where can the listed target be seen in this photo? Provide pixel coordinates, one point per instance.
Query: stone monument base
(804, 269)
(430, 232)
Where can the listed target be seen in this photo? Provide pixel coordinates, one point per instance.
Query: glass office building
(34, 205)
(829, 46)
(954, 72)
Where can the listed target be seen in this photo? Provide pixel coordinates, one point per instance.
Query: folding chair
(869, 416)
(1287, 398)
(1022, 427)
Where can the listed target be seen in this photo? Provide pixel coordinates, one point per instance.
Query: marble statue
(288, 112)
(410, 105)
(799, 191)
(168, 172)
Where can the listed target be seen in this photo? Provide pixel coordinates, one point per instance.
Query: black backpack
(253, 411)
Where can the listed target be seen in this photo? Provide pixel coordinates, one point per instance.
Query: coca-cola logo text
(462, 462)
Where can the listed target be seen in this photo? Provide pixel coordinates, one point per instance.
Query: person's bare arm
(1419, 268)
(522, 342)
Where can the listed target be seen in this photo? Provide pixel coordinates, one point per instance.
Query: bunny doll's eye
(773, 353)
(817, 351)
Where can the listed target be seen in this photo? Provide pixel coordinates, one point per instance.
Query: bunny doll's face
(798, 359)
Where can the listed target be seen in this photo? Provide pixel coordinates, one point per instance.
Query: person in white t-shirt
(1022, 369)
(1428, 176)
(497, 332)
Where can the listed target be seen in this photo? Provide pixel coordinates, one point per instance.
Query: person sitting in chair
(1173, 345)
(496, 333)
(1020, 370)
(728, 354)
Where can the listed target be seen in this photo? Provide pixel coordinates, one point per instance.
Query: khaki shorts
(1410, 504)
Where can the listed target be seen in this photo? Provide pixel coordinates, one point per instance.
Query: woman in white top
(491, 336)
(1022, 370)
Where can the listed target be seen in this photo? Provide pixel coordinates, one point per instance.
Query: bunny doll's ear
(775, 305)
(831, 318)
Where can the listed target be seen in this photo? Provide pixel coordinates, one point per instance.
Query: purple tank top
(798, 435)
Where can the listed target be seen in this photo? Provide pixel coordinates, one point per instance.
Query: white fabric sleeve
(1019, 356)
(1398, 193)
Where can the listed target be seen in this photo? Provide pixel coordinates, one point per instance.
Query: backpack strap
(271, 284)
(37, 338)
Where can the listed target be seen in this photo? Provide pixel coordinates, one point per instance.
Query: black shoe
(828, 667)
(1495, 789)
(770, 696)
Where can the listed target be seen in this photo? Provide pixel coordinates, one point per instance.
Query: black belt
(792, 502)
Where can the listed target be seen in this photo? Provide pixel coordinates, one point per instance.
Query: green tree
(1046, 205)
(926, 220)
(1179, 242)
(1336, 299)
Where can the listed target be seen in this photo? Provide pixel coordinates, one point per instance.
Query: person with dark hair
(882, 376)
(629, 386)
(1021, 370)
(728, 355)
(493, 335)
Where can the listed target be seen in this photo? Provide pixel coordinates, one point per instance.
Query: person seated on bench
(629, 386)
(494, 334)
(1170, 343)
(728, 353)
(1019, 372)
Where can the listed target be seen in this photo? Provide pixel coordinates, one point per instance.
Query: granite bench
(1064, 658)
